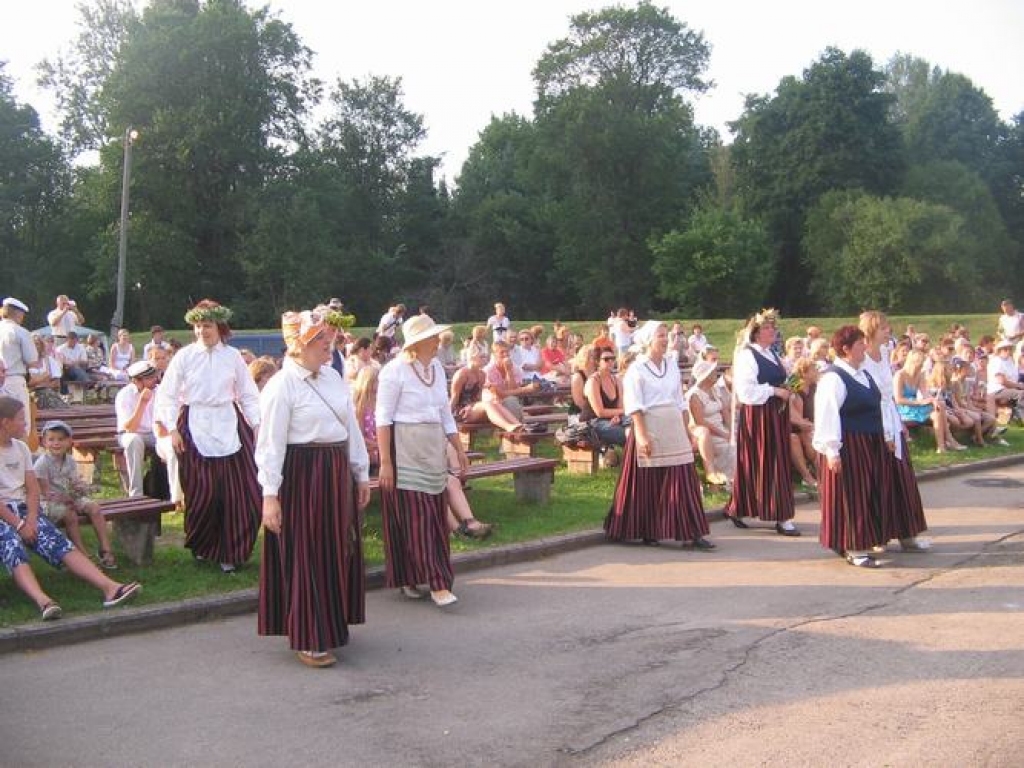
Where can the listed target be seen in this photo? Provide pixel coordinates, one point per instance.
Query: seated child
(64, 494)
(22, 528)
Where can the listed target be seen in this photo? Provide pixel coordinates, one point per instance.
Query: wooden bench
(136, 524)
(532, 477)
(102, 391)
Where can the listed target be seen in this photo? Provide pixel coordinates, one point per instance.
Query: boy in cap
(64, 494)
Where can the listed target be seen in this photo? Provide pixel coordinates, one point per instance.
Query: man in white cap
(16, 348)
(134, 408)
(1003, 385)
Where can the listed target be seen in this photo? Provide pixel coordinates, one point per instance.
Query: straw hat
(420, 327)
(703, 369)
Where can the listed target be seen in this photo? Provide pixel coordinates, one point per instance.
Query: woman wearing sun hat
(707, 420)
(763, 486)
(314, 470)
(658, 494)
(414, 422)
(210, 398)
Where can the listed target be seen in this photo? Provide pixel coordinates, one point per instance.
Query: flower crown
(767, 315)
(217, 314)
(338, 320)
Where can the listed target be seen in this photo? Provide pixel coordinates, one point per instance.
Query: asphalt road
(769, 651)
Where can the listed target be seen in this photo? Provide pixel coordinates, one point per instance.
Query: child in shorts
(22, 528)
(65, 494)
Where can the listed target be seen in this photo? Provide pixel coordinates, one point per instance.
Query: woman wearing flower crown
(763, 486)
(208, 394)
(414, 422)
(658, 494)
(314, 470)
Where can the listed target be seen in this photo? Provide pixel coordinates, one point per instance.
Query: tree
(618, 155)
(829, 130)
(720, 265)
(909, 79)
(892, 253)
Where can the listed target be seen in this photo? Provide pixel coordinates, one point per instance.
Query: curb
(82, 629)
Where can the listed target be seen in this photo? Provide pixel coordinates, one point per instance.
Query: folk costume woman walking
(414, 422)
(763, 486)
(904, 513)
(314, 470)
(210, 398)
(658, 494)
(853, 466)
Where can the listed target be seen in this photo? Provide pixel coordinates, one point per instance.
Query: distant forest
(853, 184)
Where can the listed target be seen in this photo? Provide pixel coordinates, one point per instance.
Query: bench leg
(580, 461)
(136, 538)
(534, 486)
(515, 449)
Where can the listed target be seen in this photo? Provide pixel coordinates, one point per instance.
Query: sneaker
(51, 611)
(1000, 442)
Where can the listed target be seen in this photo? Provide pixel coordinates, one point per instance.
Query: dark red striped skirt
(416, 544)
(223, 499)
(656, 502)
(312, 580)
(852, 499)
(903, 516)
(763, 486)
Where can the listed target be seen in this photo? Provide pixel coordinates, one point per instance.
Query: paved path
(767, 652)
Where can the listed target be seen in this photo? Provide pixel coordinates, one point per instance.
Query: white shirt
(622, 333)
(402, 398)
(62, 321)
(150, 344)
(1011, 326)
(73, 356)
(15, 463)
(828, 399)
(744, 376)
(124, 406)
(210, 380)
(16, 348)
(696, 343)
(500, 325)
(388, 324)
(647, 385)
(522, 357)
(881, 373)
(292, 413)
(997, 365)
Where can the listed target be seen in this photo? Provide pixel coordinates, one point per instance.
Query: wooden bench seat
(136, 524)
(532, 477)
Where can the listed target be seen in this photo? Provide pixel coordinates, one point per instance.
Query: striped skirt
(852, 500)
(903, 512)
(656, 502)
(763, 486)
(222, 498)
(312, 580)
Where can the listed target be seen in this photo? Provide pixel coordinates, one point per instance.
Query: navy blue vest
(769, 371)
(862, 411)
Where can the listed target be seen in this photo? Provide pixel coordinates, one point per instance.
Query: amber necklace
(428, 380)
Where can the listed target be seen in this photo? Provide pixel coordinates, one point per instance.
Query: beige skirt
(421, 460)
(670, 445)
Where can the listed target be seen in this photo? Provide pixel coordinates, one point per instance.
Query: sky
(462, 61)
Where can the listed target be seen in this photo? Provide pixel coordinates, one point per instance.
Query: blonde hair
(870, 321)
(914, 362)
(791, 343)
(581, 361)
(938, 378)
(364, 391)
(802, 367)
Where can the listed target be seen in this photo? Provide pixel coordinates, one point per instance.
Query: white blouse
(647, 385)
(881, 372)
(403, 397)
(828, 399)
(210, 380)
(744, 376)
(292, 413)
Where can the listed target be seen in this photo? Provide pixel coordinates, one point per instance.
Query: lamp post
(117, 322)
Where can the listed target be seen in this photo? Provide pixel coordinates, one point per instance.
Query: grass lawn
(577, 503)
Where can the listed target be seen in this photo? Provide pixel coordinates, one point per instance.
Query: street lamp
(117, 321)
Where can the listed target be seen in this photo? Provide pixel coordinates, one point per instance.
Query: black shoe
(703, 544)
(738, 522)
(651, 542)
(786, 531)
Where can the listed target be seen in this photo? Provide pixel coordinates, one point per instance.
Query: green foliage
(866, 251)
(719, 266)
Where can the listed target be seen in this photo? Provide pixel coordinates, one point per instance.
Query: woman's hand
(835, 464)
(644, 446)
(891, 445)
(386, 477)
(362, 495)
(782, 393)
(272, 514)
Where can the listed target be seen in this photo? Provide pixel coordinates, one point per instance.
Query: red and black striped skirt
(763, 486)
(222, 497)
(656, 502)
(903, 516)
(312, 579)
(852, 499)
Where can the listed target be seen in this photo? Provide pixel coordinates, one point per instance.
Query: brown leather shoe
(316, 659)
